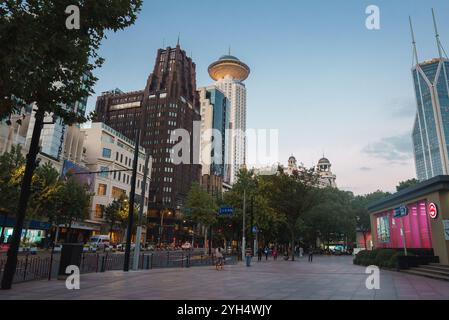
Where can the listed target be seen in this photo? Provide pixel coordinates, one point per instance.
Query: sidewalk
(326, 278)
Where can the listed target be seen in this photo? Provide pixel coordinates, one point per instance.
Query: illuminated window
(102, 188)
(99, 211)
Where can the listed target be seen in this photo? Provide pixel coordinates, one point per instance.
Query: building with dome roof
(229, 72)
(327, 178)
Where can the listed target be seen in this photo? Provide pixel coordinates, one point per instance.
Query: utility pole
(142, 204)
(252, 225)
(244, 226)
(131, 203)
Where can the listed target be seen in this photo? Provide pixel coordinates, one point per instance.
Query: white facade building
(229, 74)
(108, 150)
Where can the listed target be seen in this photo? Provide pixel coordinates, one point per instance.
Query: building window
(99, 211)
(106, 153)
(383, 229)
(102, 188)
(103, 172)
(117, 192)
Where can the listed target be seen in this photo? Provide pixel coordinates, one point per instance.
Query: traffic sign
(433, 210)
(226, 211)
(402, 211)
(254, 229)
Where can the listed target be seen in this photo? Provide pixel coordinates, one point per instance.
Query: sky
(318, 75)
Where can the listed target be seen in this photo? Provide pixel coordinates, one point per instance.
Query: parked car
(186, 246)
(99, 241)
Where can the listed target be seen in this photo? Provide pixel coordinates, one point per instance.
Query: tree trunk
(2, 236)
(25, 192)
(364, 239)
(292, 234)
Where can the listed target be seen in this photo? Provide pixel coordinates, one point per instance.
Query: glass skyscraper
(431, 127)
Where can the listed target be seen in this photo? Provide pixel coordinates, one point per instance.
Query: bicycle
(219, 264)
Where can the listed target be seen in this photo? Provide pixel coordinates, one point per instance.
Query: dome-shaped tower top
(228, 65)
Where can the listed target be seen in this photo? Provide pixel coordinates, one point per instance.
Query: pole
(161, 228)
(25, 192)
(403, 236)
(252, 225)
(131, 203)
(244, 227)
(142, 204)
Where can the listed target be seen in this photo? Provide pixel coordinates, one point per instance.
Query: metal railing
(34, 267)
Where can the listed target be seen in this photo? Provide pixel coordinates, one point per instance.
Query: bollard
(168, 258)
(148, 262)
(188, 261)
(103, 262)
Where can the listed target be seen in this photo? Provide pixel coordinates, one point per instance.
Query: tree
(111, 213)
(45, 64)
(72, 203)
(406, 184)
(359, 205)
(200, 207)
(292, 196)
(10, 162)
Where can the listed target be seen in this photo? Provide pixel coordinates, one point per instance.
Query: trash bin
(70, 255)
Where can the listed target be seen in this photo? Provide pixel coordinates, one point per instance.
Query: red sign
(433, 210)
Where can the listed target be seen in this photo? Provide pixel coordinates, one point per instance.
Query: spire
(415, 51)
(437, 36)
(229, 50)
(179, 35)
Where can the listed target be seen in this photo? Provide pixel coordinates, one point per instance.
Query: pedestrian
(266, 251)
(275, 254)
(259, 254)
(301, 252)
(310, 254)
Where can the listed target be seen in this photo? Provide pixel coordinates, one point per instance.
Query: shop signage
(433, 210)
(402, 211)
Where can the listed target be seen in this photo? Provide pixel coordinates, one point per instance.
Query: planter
(407, 262)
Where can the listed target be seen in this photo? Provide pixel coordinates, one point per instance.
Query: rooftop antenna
(415, 51)
(163, 43)
(229, 50)
(179, 35)
(437, 36)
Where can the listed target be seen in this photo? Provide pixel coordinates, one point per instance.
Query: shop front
(415, 219)
(33, 233)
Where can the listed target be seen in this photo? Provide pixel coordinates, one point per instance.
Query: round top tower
(228, 65)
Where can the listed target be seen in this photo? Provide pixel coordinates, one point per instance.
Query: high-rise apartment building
(168, 103)
(229, 73)
(431, 127)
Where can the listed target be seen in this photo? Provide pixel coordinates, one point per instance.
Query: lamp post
(161, 228)
(142, 204)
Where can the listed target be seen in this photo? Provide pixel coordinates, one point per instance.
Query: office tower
(215, 113)
(431, 127)
(229, 74)
(169, 102)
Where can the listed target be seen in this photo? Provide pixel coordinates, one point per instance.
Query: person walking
(219, 256)
(310, 254)
(275, 254)
(266, 251)
(259, 254)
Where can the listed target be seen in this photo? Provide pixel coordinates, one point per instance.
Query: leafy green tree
(111, 213)
(10, 162)
(47, 65)
(72, 203)
(200, 207)
(406, 184)
(360, 204)
(292, 196)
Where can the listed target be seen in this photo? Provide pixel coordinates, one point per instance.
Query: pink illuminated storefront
(416, 228)
(424, 211)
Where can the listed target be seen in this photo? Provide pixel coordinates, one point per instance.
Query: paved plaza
(327, 278)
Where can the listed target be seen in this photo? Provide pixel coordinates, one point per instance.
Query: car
(186, 246)
(99, 241)
(122, 246)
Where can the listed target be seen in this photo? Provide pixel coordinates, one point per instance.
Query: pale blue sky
(318, 75)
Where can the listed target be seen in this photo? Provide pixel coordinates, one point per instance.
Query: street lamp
(161, 228)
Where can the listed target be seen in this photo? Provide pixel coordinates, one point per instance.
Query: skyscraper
(431, 127)
(168, 102)
(229, 73)
(215, 116)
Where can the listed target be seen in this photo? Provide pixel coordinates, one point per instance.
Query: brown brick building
(168, 102)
